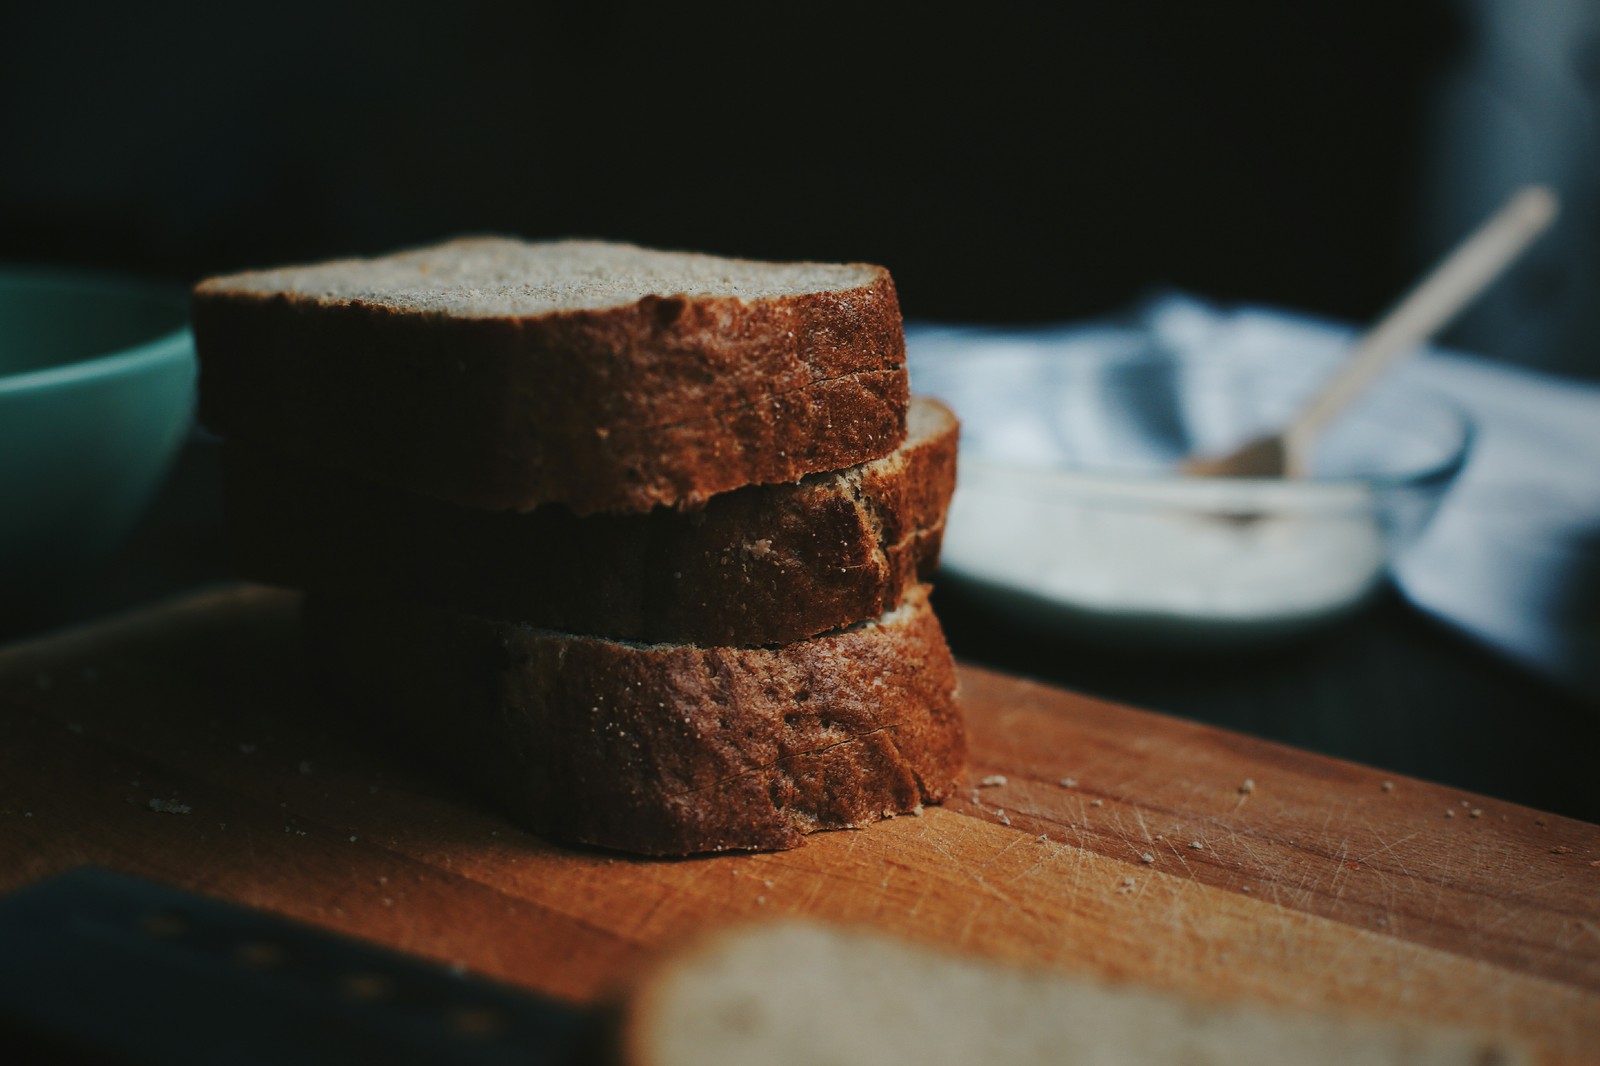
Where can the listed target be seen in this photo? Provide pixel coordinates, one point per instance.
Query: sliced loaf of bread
(761, 565)
(793, 994)
(503, 374)
(657, 748)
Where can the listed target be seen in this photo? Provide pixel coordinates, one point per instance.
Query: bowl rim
(1442, 472)
(162, 348)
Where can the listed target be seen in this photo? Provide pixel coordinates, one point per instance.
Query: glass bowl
(1071, 510)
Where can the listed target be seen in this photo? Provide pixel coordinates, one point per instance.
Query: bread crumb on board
(992, 781)
(1068, 782)
(1247, 786)
(1146, 858)
(1387, 786)
(1196, 845)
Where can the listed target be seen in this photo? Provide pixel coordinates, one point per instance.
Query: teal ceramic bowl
(97, 380)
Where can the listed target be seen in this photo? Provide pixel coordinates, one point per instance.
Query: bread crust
(758, 566)
(666, 400)
(661, 749)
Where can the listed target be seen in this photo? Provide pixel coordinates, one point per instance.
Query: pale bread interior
(496, 277)
(791, 994)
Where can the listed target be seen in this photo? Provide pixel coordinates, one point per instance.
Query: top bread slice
(504, 374)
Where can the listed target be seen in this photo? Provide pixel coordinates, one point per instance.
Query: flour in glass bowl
(1151, 556)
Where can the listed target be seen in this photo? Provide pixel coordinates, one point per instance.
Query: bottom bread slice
(658, 748)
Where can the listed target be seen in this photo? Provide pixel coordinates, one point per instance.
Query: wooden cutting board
(1092, 838)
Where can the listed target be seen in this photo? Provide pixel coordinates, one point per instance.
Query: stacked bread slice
(634, 539)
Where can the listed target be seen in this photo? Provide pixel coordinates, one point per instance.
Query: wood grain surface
(1093, 838)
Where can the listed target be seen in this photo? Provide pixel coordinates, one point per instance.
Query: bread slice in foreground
(761, 565)
(661, 749)
(505, 374)
(790, 994)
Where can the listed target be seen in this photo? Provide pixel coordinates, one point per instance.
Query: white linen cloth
(1512, 558)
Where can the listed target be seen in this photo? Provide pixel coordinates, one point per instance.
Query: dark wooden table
(1092, 838)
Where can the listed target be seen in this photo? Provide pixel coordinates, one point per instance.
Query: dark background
(1008, 161)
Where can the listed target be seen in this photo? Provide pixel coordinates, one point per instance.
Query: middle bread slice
(764, 565)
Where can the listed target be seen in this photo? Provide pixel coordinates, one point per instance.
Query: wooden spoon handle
(1452, 285)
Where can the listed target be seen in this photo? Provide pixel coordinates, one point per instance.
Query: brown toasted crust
(761, 565)
(826, 426)
(662, 749)
(663, 401)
